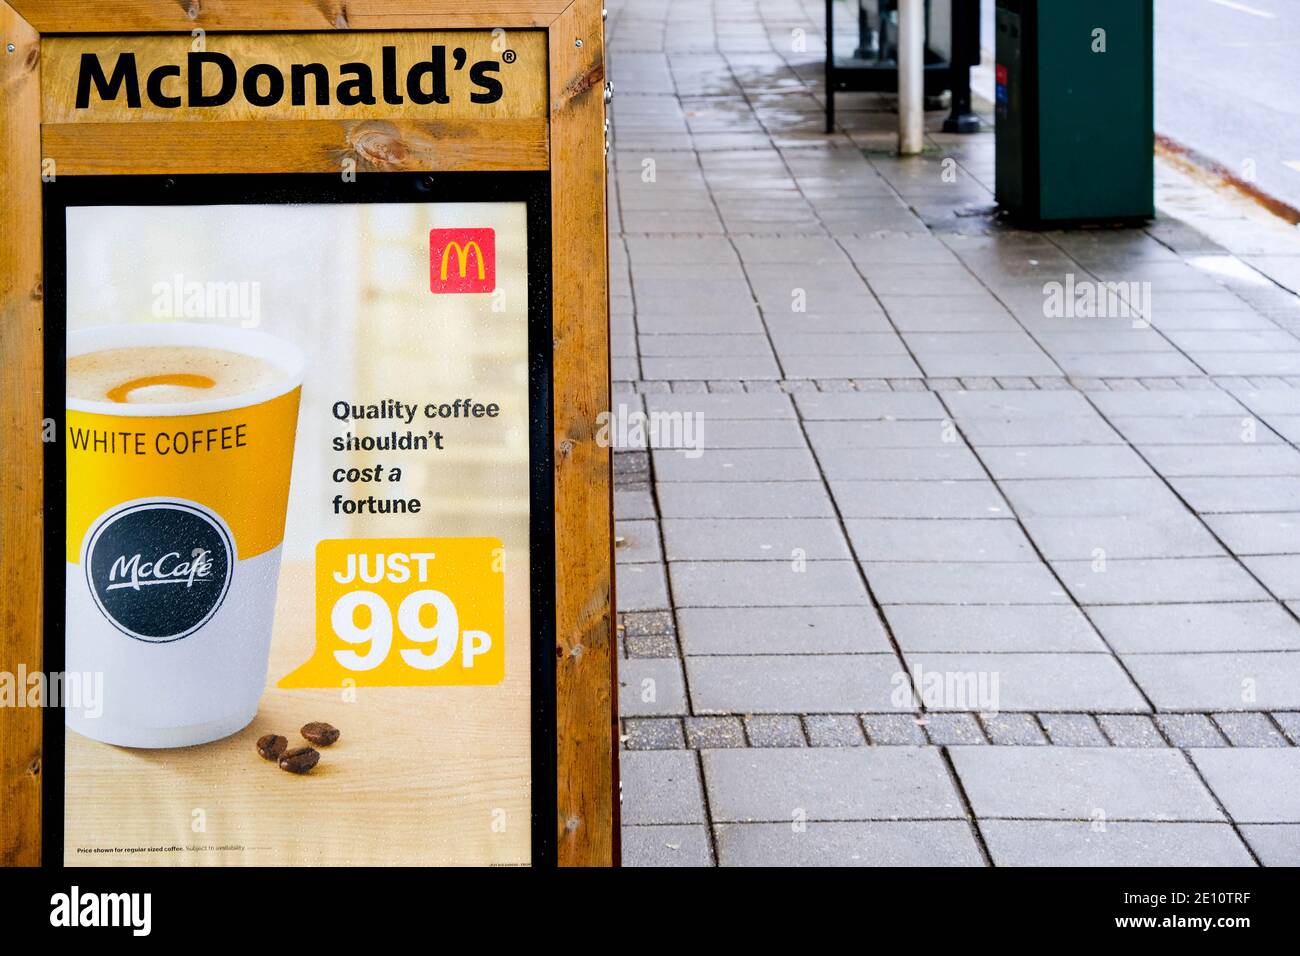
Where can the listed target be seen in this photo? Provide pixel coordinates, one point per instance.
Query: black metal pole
(965, 54)
(830, 66)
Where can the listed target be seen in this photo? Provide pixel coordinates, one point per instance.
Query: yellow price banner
(407, 612)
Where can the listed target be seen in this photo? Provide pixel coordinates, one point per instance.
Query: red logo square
(1000, 74)
(462, 260)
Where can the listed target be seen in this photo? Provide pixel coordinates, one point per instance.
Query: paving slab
(1073, 730)
(633, 505)
(1160, 534)
(1258, 532)
(964, 583)
(734, 406)
(880, 435)
(893, 844)
(774, 684)
(653, 733)
(1125, 365)
(1166, 628)
(739, 367)
(1010, 406)
(1224, 461)
(781, 630)
(919, 499)
(989, 629)
(1250, 730)
(862, 783)
(1071, 843)
(834, 730)
(639, 544)
(1019, 730)
(1213, 682)
(642, 587)
(857, 406)
(1131, 730)
(947, 729)
(1204, 430)
(721, 433)
(993, 683)
(1276, 844)
(650, 645)
(735, 464)
(784, 539)
(775, 730)
(1290, 724)
(661, 786)
(942, 463)
(666, 846)
(850, 366)
(766, 584)
(650, 687)
(1159, 581)
(1280, 573)
(808, 342)
(754, 499)
(1239, 494)
(1190, 730)
(1063, 461)
(1173, 404)
(1255, 785)
(902, 539)
(894, 730)
(1082, 783)
(1074, 430)
(1090, 497)
(714, 732)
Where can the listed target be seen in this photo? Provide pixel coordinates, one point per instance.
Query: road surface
(1228, 86)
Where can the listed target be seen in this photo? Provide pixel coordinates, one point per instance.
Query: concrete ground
(922, 570)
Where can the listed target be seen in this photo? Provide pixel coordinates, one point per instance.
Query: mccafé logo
(159, 570)
(172, 568)
(211, 79)
(462, 260)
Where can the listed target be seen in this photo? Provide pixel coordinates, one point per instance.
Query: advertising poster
(300, 524)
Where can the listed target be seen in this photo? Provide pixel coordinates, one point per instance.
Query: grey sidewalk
(956, 579)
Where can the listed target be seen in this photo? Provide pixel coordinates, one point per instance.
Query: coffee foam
(166, 375)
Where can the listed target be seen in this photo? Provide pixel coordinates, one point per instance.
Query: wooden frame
(569, 140)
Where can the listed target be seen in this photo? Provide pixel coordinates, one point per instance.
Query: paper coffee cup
(175, 521)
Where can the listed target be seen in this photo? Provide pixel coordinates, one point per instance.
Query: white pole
(911, 76)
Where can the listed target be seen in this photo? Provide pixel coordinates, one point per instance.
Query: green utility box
(1074, 107)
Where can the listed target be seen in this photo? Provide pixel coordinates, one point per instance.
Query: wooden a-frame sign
(548, 118)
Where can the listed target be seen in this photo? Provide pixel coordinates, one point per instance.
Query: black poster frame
(531, 188)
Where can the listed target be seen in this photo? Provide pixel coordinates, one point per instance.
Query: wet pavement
(958, 544)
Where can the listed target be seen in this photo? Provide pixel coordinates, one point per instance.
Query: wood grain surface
(137, 16)
(21, 450)
(308, 146)
(585, 660)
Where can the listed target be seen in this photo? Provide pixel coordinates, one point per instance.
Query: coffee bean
(271, 746)
(299, 759)
(321, 734)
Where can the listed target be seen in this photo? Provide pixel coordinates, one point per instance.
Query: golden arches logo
(450, 252)
(462, 259)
